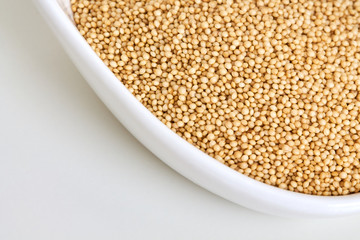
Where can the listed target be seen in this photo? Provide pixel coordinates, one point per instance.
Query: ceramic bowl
(171, 148)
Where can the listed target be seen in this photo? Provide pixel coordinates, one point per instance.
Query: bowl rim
(176, 152)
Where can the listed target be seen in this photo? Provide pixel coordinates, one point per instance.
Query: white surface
(69, 170)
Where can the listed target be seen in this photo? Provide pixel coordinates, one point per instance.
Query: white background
(69, 169)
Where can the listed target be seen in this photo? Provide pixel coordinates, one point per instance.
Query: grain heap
(267, 87)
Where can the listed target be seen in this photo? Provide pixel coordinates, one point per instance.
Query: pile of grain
(267, 87)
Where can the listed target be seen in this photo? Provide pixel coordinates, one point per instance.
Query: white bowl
(172, 149)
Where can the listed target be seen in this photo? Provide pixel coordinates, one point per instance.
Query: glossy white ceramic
(172, 149)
